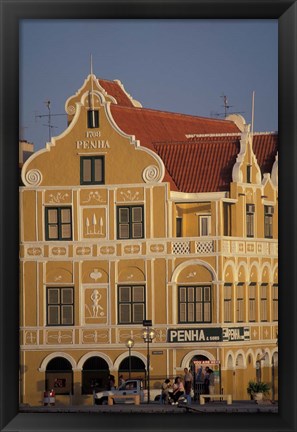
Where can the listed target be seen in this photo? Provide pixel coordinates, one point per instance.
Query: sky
(184, 66)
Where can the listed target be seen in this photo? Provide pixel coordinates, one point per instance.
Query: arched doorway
(59, 376)
(95, 373)
(138, 370)
(197, 366)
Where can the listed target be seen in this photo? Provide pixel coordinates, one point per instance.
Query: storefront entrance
(197, 366)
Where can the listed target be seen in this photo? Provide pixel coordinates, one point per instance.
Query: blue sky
(172, 65)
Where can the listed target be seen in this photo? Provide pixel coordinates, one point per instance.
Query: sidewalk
(156, 408)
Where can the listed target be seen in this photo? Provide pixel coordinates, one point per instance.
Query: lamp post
(148, 335)
(129, 345)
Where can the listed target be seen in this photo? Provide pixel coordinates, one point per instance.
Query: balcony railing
(182, 246)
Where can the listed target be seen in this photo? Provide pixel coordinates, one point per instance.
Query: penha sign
(208, 334)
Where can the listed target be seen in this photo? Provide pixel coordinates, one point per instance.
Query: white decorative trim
(71, 109)
(135, 103)
(213, 135)
(53, 355)
(33, 177)
(274, 172)
(151, 174)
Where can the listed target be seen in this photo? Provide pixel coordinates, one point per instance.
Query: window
(227, 219)
(268, 215)
(60, 306)
(239, 303)
(131, 304)
(205, 225)
(59, 376)
(227, 303)
(58, 223)
(93, 119)
(130, 222)
(179, 231)
(194, 304)
(263, 302)
(92, 170)
(275, 302)
(250, 210)
(249, 174)
(95, 373)
(252, 302)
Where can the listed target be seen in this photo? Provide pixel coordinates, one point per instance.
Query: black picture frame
(12, 11)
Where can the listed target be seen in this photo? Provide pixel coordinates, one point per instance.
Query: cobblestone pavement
(156, 408)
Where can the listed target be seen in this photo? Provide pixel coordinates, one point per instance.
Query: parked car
(132, 387)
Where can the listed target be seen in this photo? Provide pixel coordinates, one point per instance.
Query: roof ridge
(177, 114)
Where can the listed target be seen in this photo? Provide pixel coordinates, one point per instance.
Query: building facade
(133, 214)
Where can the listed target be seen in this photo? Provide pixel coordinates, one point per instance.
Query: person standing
(211, 382)
(188, 381)
(206, 382)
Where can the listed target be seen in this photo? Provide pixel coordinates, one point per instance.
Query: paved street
(156, 408)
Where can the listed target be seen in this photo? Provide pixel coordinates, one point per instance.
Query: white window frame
(208, 218)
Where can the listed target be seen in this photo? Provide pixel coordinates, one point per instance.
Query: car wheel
(103, 401)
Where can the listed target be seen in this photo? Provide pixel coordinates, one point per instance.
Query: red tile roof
(115, 90)
(265, 147)
(201, 164)
(151, 126)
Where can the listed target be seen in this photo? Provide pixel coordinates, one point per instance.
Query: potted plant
(258, 389)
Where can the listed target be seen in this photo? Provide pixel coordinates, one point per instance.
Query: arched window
(94, 375)
(138, 370)
(59, 376)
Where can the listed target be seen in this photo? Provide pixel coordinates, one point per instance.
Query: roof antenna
(253, 111)
(92, 89)
(49, 117)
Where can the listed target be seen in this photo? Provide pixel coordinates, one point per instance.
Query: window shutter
(87, 170)
(53, 296)
(182, 311)
(98, 168)
(138, 313)
(67, 314)
(125, 294)
(67, 296)
(53, 315)
(125, 313)
(191, 312)
(66, 231)
(137, 214)
(124, 231)
(138, 294)
(52, 216)
(124, 215)
(137, 230)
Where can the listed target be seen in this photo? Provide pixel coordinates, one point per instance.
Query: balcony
(181, 246)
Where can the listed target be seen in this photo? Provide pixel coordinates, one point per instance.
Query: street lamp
(129, 345)
(148, 335)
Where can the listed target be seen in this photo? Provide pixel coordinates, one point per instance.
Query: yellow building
(134, 214)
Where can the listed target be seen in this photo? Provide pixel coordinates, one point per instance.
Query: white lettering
(173, 335)
(97, 144)
(93, 134)
(201, 336)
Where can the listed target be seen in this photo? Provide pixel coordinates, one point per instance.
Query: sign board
(147, 323)
(208, 334)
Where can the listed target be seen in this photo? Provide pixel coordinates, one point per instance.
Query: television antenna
(49, 117)
(226, 107)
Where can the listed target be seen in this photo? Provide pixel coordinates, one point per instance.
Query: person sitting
(178, 391)
(166, 386)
